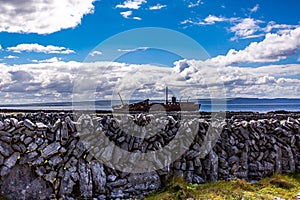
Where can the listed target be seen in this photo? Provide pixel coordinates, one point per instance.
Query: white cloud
(51, 60)
(42, 17)
(246, 28)
(59, 80)
(209, 20)
(11, 57)
(40, 49)
(273, 25)
(133, 50)
(126, 14)
(95, 53)
(274, 47)
(243, 28)
(0, 47)
(131, 4)
(267, 81)
(137, 18)
(197, 3)
(157, 7)
(255, 8)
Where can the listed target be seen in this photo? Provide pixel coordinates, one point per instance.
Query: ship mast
(121, 98)
(166, 95)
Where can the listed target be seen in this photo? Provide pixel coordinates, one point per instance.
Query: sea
(207, 105)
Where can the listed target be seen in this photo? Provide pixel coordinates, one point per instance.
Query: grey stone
(51, 149)
(29, 124)
(85, 181)
(111, 178)
(55, 160)
(99, 177)
(70, 124)
(64, 133)
(67, 184)
(117, 194)
(197, 179)
(40, 171)
(4, 170)
(12, 160)
(50, 177)
(32, 146)
(1, 159)
(148, 181)
(5, 149)
(27, 140)
(117, 183)
(41, 126)
(22, 183)
(78, 151)
(6, 139)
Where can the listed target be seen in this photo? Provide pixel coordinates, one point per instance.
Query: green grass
(283, 186)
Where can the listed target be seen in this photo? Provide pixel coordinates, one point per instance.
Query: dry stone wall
(43, 156)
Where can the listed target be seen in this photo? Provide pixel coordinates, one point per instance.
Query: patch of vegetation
(282, 186)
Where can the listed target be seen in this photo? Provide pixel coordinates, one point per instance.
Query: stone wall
(44, 156)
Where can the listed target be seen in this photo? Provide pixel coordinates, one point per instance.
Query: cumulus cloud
(157, 7)
(0, 47)
(60, 81)
(49, 49)
(243, 28)
(50, 60)
(42, 17)
(267, 81)
(131, 4)
(274, 47)
(126, 14)
(246, 28)
(11, 57)
(95, 53)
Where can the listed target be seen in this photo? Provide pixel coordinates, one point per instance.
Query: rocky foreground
(61, 155)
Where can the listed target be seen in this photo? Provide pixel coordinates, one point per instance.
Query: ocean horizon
(207, 105)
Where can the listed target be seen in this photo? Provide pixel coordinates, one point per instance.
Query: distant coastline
(261, 105)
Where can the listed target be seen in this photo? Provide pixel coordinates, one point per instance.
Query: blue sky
(255, 42)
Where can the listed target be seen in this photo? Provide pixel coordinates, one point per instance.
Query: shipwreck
(167, 106)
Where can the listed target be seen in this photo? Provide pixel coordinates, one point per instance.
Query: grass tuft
(282, 186)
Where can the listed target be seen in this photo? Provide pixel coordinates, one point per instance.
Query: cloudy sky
(57, 50)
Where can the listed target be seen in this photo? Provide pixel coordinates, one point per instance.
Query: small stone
(70, 123)
(12, 160)
(29, 124)
(64, 133)
(5, 149)
(51, 149)
(85, 181)
(99, 177)
(1, 159)
(55, 160)
(117, 183)
(41, 126)
(32, 146)
(4, 170)
(51, 176)
(27, 140)
(111, 178)
(40, 171)
(197, 179)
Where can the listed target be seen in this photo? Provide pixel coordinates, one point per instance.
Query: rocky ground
(53, 155)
